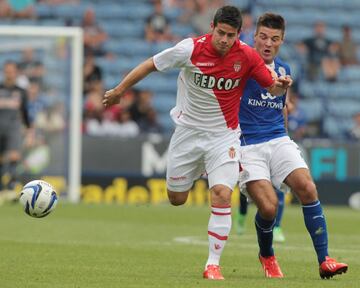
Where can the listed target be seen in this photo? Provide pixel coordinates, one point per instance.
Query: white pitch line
(194, 240)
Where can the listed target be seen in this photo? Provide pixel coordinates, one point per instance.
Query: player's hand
(111, 97)
(284, 82)
(273, 73)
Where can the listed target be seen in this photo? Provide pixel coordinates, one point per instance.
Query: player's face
(10, 73)
(267, 42)
(223, 37)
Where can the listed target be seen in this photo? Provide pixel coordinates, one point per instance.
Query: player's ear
(254, 36)
(283, 37)
(212, 25)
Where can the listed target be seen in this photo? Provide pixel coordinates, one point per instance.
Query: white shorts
(273, 161)
(193, 152)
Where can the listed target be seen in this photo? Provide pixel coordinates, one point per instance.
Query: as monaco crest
(237, 66)
(232, 152)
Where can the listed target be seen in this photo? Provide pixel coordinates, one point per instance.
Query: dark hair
(228, 15)
(271, 20)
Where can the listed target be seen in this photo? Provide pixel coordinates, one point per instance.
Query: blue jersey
(260, 115)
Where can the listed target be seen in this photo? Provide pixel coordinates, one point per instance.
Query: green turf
(159, 246)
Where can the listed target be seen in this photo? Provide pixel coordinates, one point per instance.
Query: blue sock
(243, 204)
(265, 235)
(280, 211)
(316, 225)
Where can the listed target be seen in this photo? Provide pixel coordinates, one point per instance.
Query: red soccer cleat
(213, 272)
(330, 268)
(271, 267)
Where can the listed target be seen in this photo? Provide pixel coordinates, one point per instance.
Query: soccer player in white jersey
(214, 70)
(269, 157)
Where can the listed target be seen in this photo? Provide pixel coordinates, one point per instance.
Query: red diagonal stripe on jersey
(228, 74)
(217, 236)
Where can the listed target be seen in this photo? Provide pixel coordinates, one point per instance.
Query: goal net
(50, 65)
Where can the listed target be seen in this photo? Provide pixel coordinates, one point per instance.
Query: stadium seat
(296, 33)
(56, 81)
(69, 11)
(52, 22)
(343, 107)
(109, 11)
(312, 90)
(111, 82)
(163, 102)
(242, 4)
(158, 84)
(25, 22)
(166, 122)
(173, 14)
(181, 30)
(136, 48)
(119, 66)
(10, 56)
(44, 11)
(130, 11)
(313, 108)
(157, 47)
(123, 29)
(337, 127)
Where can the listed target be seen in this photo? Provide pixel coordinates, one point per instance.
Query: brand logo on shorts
(232, 152)
(178, 178)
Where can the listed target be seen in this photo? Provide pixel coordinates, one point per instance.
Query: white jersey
(210, 85)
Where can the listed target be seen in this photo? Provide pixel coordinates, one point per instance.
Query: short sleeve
(259, 71)
(174, 57)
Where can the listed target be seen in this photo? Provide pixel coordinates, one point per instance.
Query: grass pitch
(160, 246)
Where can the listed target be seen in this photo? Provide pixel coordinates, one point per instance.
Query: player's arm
(280, 85)
(267, 77)
(285, 113)
(113, 96)
(176, 56)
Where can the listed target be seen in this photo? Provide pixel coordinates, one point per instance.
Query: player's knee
(268, 212)
(308, 193)
(220, 195)
(177, 198)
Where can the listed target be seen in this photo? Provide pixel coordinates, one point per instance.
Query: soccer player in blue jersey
(269, 157)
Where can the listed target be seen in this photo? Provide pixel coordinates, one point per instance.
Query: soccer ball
(38, 198)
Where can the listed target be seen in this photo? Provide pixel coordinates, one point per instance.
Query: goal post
(35, 35)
